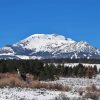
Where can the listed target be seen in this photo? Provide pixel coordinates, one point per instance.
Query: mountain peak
(47, 36)
(39, 41)
(50, 46)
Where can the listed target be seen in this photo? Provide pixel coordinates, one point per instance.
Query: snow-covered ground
(44, 94)
(78, 81)
(33, 94)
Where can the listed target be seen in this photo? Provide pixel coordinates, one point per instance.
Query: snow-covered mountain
(45, 46)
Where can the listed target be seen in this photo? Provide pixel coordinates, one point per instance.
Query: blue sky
(76, 19)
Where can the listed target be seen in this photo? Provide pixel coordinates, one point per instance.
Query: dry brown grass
(13, 80)
(91, 88)
(51, 86)
(92, 95)
(92, 92)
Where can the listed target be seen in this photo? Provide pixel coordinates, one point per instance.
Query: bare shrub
(29, 78)
(61, 96)
(91, 88)
(11, 80)
(94, 88)
(37, 84)
(80, 93)
(93, 95)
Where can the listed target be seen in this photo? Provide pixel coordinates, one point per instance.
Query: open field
(13, 87)
(62, 89)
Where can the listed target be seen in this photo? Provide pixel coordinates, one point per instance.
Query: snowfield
(78, 81)
(33, 94)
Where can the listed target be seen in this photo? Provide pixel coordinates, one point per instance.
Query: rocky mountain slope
(45, 46)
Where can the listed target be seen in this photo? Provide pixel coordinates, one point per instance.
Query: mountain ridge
(48, 46)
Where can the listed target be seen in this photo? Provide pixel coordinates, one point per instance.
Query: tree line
(47, 71)
(68, 60)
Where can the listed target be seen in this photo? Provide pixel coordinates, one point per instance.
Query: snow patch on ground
(44, 94)
(32, 94)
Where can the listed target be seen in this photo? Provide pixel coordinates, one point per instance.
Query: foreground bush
(13, 80)
(61, 96)
(91, 88)
(50, 86)
(92, 95)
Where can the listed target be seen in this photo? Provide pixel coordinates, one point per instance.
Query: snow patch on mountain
(42, 42)
(44, 46)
